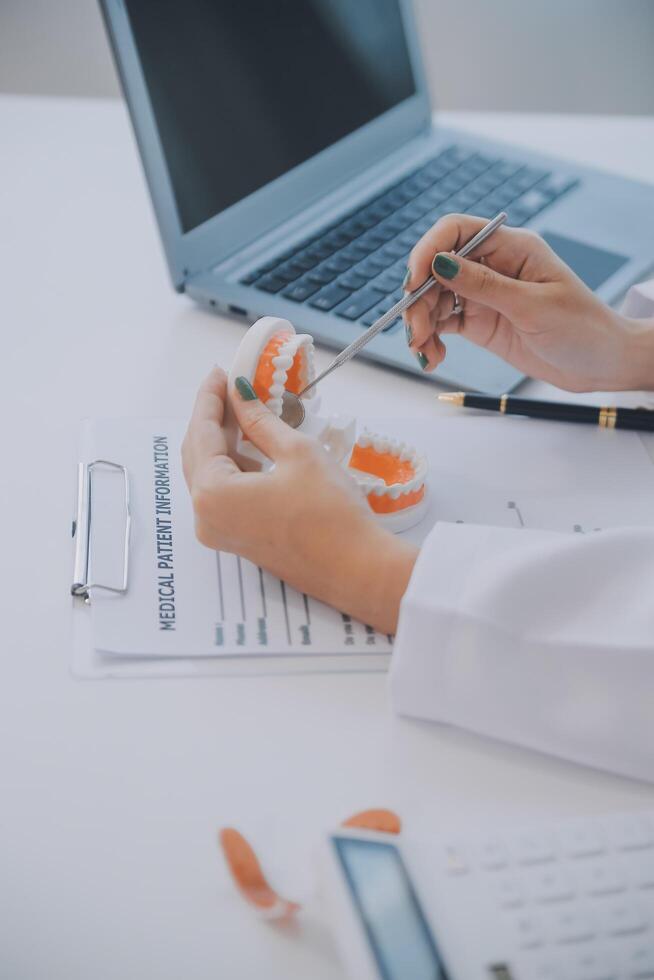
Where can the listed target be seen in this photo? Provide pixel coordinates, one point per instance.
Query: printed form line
(264, 611)
(220, 587)
(240, 587)
(288, 625)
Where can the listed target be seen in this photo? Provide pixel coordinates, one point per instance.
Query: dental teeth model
(391, 475)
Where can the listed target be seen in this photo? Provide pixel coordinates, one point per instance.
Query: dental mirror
(292, 410)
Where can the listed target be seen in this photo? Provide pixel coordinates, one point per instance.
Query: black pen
(606, 418)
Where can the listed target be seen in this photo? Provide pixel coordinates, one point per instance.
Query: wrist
(636, 371)
(385, 567)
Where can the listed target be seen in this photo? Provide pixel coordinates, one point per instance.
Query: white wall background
(542, 55)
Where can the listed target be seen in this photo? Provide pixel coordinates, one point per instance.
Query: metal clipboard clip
(82, 530)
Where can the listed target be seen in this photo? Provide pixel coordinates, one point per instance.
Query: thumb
(266, 431)
(478, 282)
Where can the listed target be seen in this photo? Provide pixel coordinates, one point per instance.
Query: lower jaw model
(391, 475)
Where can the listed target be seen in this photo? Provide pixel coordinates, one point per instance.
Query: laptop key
(372, 315)
(359, 303)
(300, 291)
(289, 271)
(250, 277)
(515, 217)
(388, 282)
(337, 238)
(322, 275)
(270, 283)
(528, 176)
(318, 251)
(339, 263)
(305, 261)
(557, 184)
(328, 298)
(394, 250)
(352, 280)
(373, 265)
(532, 202)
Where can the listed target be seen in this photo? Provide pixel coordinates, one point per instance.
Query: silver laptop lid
(247, 112)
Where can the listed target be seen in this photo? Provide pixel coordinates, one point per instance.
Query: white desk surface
(112, 792)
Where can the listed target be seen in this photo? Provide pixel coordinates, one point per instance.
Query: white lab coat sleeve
(534, 637)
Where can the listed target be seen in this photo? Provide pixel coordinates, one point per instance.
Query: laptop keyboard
(354, 268)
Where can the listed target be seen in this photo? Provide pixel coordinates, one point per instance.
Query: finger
(448, 234)
(452, 324)
(431, 354)
(507, 249)
(418, 323)
(443, 309)
(204, 437)
(476, 281)
(274, 438)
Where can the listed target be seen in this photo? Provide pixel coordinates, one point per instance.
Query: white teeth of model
(380, 445)
(364, 439)
(282, 362)
(395, 490)
(368, 479)
(279, 378)
(311, 370)
(276, 389)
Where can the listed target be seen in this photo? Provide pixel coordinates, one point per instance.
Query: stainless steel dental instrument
(292, 408)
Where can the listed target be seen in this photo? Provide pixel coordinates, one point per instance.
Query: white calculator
(567, 901)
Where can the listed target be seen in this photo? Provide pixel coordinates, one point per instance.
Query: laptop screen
(244, 91)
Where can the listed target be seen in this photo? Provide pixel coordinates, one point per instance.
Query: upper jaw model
(391, 475)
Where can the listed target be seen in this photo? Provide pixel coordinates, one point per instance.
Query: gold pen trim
(608, 417)
(453, 398)
(503, 401)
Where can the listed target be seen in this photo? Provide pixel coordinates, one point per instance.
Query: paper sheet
(185, 600)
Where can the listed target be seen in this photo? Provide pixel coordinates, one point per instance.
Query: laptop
(293, 161)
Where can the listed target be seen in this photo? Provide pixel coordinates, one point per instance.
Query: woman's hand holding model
(304, 520)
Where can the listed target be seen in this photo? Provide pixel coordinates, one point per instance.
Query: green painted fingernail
(409, 334)
(245, 390)
(407, 277)
(446, 266)
(422, 360)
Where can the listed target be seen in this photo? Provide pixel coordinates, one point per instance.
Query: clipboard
(102, 484)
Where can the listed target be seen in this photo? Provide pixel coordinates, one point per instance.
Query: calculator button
(594, 964)
(491, 855)
(632, 833)
(582, 841)
(551, 885)
(643, 873)
(508, 892)
(639, 963)
(528, 931)
(621, 918)
(570, 926)
(601, 879)
(542, 969)
(454, 860)
(532, 849)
